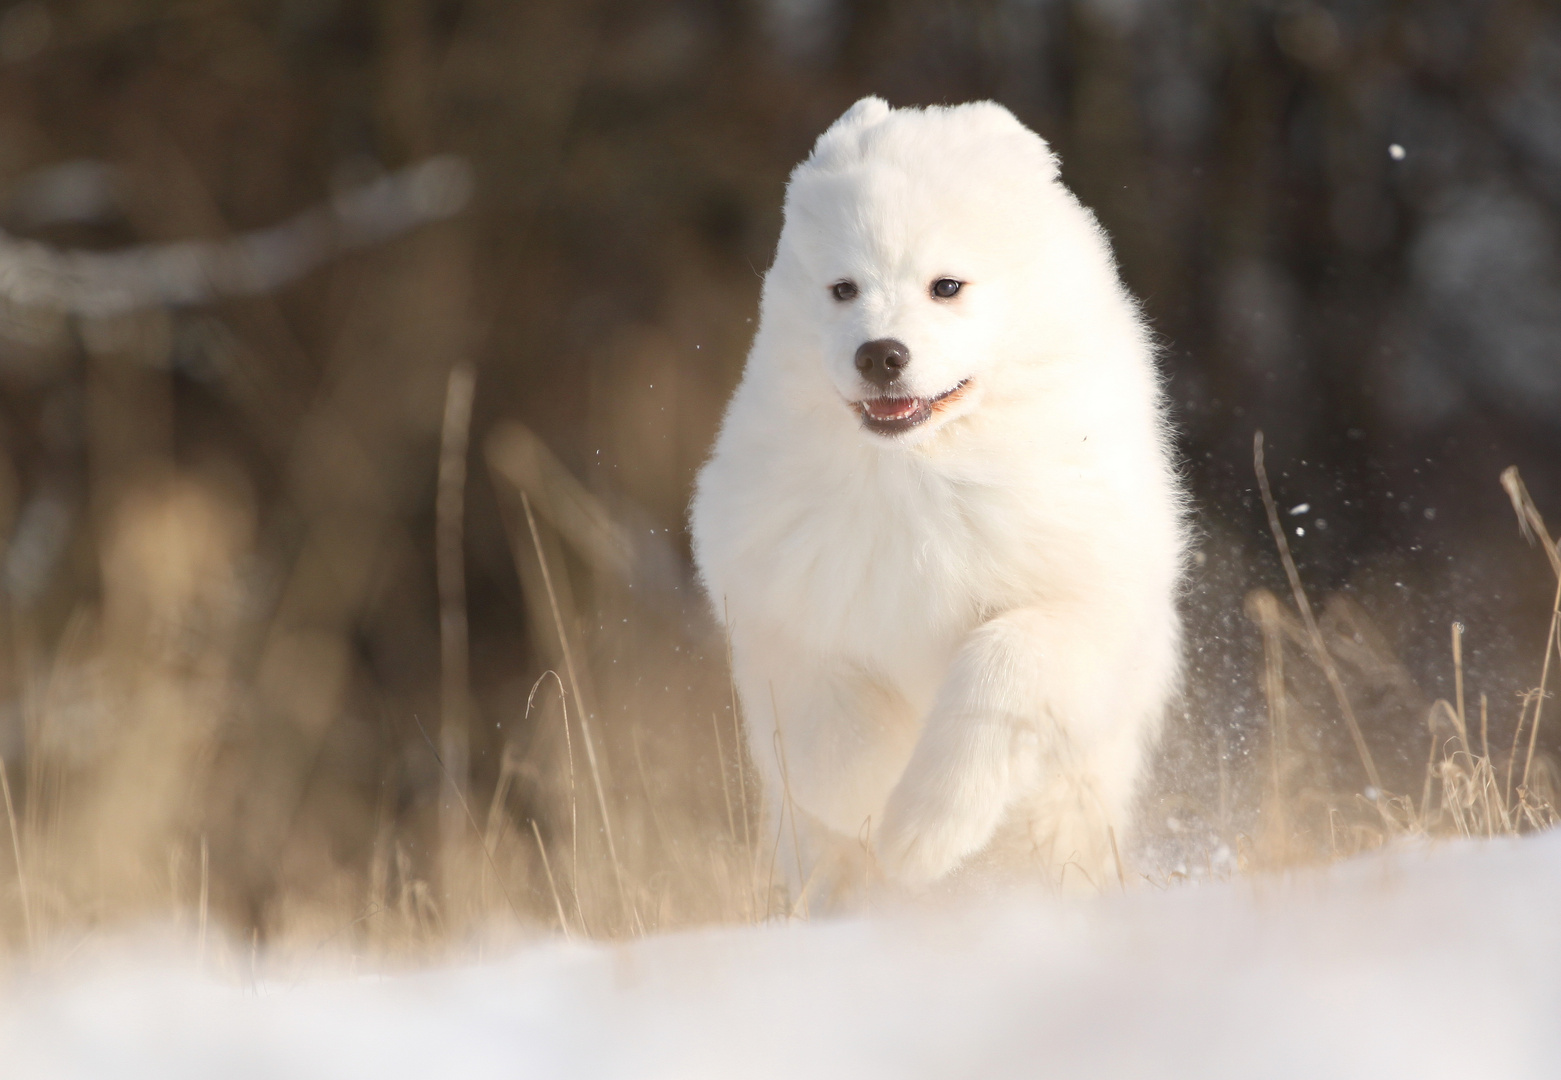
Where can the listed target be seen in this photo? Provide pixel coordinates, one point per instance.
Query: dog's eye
(843, 290)
(946, 287)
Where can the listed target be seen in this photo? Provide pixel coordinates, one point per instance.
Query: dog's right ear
(843, 136)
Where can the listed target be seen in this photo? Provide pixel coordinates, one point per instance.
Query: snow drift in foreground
(1422, 962)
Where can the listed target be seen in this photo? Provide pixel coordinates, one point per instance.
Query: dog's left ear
(990, 115)
(995, 120)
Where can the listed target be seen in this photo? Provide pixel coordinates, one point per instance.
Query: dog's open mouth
(895, 415)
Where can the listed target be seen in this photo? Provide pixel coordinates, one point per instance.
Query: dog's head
(923, 251)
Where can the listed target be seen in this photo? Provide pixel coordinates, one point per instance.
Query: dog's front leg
(1007, 692)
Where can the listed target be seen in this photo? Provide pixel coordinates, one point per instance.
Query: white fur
(967, 633)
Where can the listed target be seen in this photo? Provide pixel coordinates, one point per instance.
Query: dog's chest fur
(877, 558)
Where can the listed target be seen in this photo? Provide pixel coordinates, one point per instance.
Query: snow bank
(1423, 962)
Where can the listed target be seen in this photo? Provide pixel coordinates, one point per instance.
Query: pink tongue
(889, 408)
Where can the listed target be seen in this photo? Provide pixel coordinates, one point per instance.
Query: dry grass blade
(1532, 524)
(629, 911)
(450, 566)
(493, 828)
(552, 884)
(726, 787)
(1430, 765)
(1263, 606)
(791, 807)
(737, 735)
(1517, 738)
(1529, 519)
(16, 854)
(1319, 647)
(517, 454)
(205, 897)
(668, 843)
(1463, 726)
(472, 821)
(1116, 858)
(1485, 728)
(574, 802)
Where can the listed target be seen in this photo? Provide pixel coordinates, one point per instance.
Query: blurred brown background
(232, 643)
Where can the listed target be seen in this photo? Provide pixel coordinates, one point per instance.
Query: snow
(1423, 961)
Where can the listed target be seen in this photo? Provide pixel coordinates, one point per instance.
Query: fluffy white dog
(941, 521)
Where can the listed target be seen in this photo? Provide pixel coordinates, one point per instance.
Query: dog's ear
(996, 121)
(867, 111)
(843, 137)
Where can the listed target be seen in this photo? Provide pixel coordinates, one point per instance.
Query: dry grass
(1469, 789)
(139, 801)
(602, 818)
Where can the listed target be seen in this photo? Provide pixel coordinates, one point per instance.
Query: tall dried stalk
(454, 654)
(726, 788)
(471, 821)
(16, 854)
(1319, 647)
(1533, 525)
(630, 913)
(205, 905)
(1265, 608)
(1463, 725)
(1485, 728)
(737, 734)
(574, 802)
(790, 807)
(547, 868)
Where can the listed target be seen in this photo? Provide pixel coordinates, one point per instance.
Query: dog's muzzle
(885, 415)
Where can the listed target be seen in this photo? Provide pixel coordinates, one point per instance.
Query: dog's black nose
(881, 361)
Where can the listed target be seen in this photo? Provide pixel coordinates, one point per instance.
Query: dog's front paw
(951, 799)
(917, 853)
(914, 860)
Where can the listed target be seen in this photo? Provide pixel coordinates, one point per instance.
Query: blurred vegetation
(274, 609)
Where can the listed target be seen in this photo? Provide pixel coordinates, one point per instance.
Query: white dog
(941, 521)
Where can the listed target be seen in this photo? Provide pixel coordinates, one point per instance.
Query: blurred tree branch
(103, 284)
